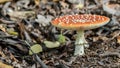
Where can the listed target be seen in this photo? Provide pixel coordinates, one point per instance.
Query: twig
(110, 54)
(40, 61)
(63, 65)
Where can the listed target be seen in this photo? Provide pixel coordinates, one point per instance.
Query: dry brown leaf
(99, 2)
(55, 0)
(77, 3)
(64, 5)
(37, 2)
(80, 6)
(115, 34)
(118, 39)
(95, 39)
(104, 38)
(13, 57)
(100, 37)
(2, 28)
(3, 1)
(2, 65)
(2, 54)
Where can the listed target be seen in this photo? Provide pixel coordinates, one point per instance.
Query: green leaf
(61, 38)
(50, 44)
(12, 32)
(35, 48)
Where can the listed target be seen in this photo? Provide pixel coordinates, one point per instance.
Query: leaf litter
(26, 23)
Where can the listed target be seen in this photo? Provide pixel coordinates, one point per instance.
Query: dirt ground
(27, 23)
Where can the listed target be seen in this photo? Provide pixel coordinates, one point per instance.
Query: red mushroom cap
(80, 22)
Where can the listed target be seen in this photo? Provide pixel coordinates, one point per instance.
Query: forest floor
(27, 23)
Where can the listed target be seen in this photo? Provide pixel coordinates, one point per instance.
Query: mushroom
(80, 23)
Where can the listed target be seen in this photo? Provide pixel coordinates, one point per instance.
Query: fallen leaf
(3, 1)
(44, 1)
(76, 1)
(13, 57)
(115, 34)
(35, 48)
(2, 27)
(112, 8)
(21, 14)
(108, 53)
(23, 3)
(2, 65)
(12, 32)
(44, 21)
(114, 21)
(55, 0)
(61, 38)
(95, 39)
(63, 4)
(99, 2)
(80, 6)
(2, 54)
(50, 44)
(118, 39)
(103, 38)
(37, 2)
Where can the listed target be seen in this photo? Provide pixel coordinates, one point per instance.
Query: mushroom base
(79, 50)
(80, 43)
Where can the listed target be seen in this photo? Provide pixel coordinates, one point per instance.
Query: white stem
(79, 50)
(80, 43)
